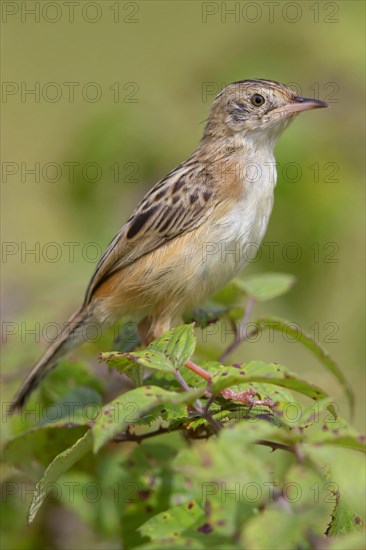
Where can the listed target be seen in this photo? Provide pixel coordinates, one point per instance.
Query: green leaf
(345, 470)
(343, 520)
(298, 509)
(127, 337)
(219, 472)
(72, 493)
(277, 529)
(178, 344)
(197, 541)
(38, 446)
(173, 521)
(210, 312)
(170, 351)
(130, 407)
(177, 543)
(226, 458)
(306, 490)
(266, 286)
(166, 416)
(125, 362)
(229, 295)
(293, 331)
(234, 412)
(68, 376)
(147, 484)
(58, 466)
(248, 433)
(78, 407)
(319, 413)
(267, 373)
(340, 434)
(354, 541)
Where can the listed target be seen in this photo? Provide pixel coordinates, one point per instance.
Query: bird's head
(260, 108)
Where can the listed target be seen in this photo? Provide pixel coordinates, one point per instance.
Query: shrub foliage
(177, 461)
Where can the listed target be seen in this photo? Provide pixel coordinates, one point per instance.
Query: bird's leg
(246, 397)
(143, 330)
(159, 324)
(151, 328)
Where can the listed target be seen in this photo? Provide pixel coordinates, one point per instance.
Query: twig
(198, 407)
(138, 438)
(198, 370)
(240, 335)
(128, 436)
(181, 380)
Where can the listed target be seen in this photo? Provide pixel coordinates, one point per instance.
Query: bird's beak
(299, 104)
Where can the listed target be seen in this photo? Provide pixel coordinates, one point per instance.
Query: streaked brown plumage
(157, 266)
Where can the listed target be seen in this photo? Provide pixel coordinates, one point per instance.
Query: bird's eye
(257, 100)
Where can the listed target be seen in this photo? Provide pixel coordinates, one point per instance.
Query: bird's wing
(175, 205)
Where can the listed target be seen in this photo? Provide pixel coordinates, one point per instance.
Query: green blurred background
(155, 67)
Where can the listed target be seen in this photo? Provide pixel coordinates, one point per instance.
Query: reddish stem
(246, 397)
(198, 370)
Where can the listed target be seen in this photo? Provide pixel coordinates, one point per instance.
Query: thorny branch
(138, 438)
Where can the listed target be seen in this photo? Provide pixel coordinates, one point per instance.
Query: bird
(193, 231)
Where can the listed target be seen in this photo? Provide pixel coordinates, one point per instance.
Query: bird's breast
(236, 233)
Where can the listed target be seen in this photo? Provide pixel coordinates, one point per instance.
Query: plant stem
(198, 370)
(138, 438)
(198, 407)
(240, 335)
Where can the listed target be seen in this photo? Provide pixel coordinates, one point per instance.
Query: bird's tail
(72, 335)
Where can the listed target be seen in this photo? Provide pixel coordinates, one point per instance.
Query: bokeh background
(121, 93)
